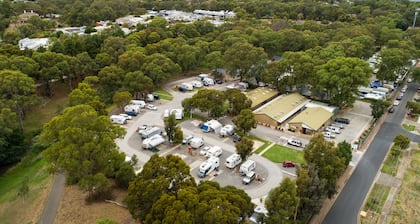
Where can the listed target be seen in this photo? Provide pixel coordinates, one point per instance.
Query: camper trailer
(187, 86)
(138, 102)
(233, 160)
(196, 142)
(215, 151)
(178, 113)
(197, 84)
(208, 166)
(247, 167)
(152, 141)
(208, 81)
(201, 77)
(118, 119)
(227, 130)
(150, 132)
(132, 109)
(211, 126)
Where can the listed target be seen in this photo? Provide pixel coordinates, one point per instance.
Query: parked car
(339, 125)
(218, 81)
(391, 110)
(342, 120)
(204, 150)
(187, 139)
(295, 142)
(237, 138)
(128, 117)
(131, 113)
(328, 134)
(250, 176)
(396, 103)
(151, 107)
(399, 97)
(288, 164)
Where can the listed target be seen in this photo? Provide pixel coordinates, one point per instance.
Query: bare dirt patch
(74, 209)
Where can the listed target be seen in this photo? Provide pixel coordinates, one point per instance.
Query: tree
(124, 175)
(207, 100)
(82, 143)
(391, 60)
(131, 60)
(402, 141)
(111, 79)
(179, 135)
(138, 84)
(114, 46)
(48, 68)
(121, 99)
(12, 144)
(413, 107)
(324, 157)
(281, 202)
(159, 67)
(242, 56)
(17, 91)
(26, 65)
(85, 94)
(244, 148)
(170, 127)
(237, 101)
(344, 151)
(245, 121)
(378, 108)
(160, 175)
(341, 77)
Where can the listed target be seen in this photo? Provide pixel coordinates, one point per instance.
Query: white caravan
(118, 119)
(208, 166)
(215, 151)
(247, 167)
(153, 141)
(150, 132)
(233, 160)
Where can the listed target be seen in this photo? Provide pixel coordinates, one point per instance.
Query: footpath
(51, 206)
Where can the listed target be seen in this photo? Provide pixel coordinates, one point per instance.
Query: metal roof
(312, 117)
(259, 95)
(282, 107)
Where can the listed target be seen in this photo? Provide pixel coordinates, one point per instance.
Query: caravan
(227, 130)
(247, 167)
(208, 166)
(150, 132)
(118, 119)
(215, 151)
(132, 109)
(152, 141)
(211, 126)
(178, 113)
(141, 103)
(187, 86)
(233, 160)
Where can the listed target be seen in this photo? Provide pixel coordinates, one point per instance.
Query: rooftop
(312, 117)
(259, 95)
(282, 107)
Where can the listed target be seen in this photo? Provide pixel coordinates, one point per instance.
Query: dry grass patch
(74, 209)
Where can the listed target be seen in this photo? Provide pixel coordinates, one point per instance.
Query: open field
(279, 153)
(406, 208)
(392, 161)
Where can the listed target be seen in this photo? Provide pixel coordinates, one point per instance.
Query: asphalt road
(348, 204)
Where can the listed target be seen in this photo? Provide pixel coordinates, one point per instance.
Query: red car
(288, 164)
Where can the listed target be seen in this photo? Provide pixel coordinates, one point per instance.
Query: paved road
(348, 204)
(51, 206)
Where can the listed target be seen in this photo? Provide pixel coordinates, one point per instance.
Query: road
(348, 204)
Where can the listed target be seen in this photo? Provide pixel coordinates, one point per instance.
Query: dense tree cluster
(165, 192)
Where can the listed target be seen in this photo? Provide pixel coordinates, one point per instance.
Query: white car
(328, 134)
(204, 150)
(151, 107)
(128, 117)
(295, 142)
(396, 103)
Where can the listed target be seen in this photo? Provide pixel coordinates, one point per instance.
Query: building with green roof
(260, 96)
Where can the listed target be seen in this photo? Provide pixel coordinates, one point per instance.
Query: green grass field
(390, 166)
(279, 153)
(163, 94)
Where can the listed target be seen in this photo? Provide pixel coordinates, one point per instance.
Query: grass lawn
(261, 148)
(163, 94)
(279, 153)
(390, 166)
(377, 198)
(409, 127)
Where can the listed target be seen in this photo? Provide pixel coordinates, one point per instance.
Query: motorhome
(150, 132)
(214, 151)
(117, 119)
(138, 102)
(233, 160)
(247, 167)
(152, 141)
(187, 86)
(208, 166)
(196, 142)
(211, 126)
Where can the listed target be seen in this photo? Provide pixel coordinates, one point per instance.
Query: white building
(33, 43)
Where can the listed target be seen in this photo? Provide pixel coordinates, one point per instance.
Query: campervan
(118, 119)
(150, 132)
(233, 160)
(247, 167)
(208, 166)
(201, 77)
(138, 102)
(187, 86)
(214, 151)
(152, 141)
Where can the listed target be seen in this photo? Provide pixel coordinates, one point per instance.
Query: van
(342, 120)
(150, 132)
(247, 167)
(215, 151)
(201, 77)
(233, 160)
